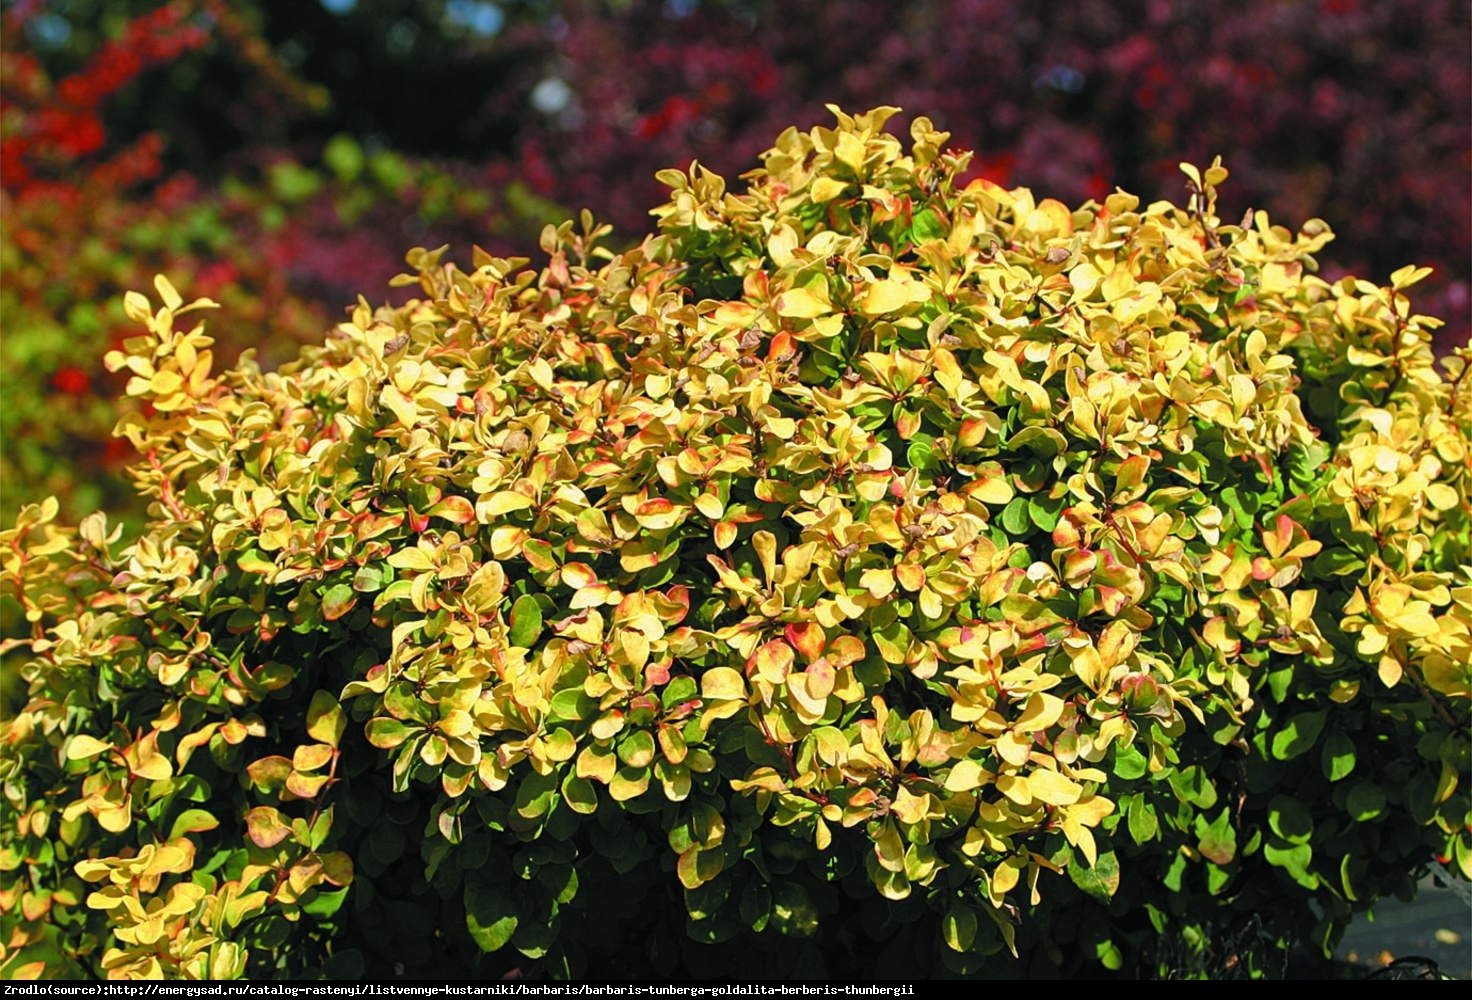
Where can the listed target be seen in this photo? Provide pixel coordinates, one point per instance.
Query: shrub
(867, 569)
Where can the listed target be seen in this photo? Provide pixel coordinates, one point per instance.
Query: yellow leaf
(402, 406)
(878, 582)
(888, 295)
(1014, 748)
(821, 679)
(1084, 278)
(710, 505)
(541, 372)
(152, 767)
(889, 847)
(1416, 619)
(597, 764)
(1390, 671)
(966, 775)
(501, 503)
(1006, 877)
(722, 684)
(1444, 676)
(1081, 837)
(1053, 788)
(1042, 711)
(171, 298)
(82, 747)
(992, 490)
(799, 303)
(1441, 496)
(773, 661)
(911, 575)
(826, 189)
(266, 827)
(910, 808)
(326, 722)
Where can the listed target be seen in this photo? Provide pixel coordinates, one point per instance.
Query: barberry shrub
(867, 573)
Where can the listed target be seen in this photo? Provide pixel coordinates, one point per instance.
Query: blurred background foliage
(281, 155)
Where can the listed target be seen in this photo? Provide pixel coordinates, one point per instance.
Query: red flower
(675, 111)
(71, 380)
(117, 451)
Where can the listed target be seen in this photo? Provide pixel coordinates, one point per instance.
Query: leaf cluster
(877, 565)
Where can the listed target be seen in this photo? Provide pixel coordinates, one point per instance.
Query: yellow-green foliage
(1051, 580)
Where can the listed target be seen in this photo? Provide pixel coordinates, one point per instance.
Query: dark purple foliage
(1354, 111)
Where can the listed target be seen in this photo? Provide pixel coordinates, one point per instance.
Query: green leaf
(1292, 858)
(1299, 735)
(325, 720)
(536, 795)
(344, 156)
(1129, 763)
(385, 733)
(385, 843)
(526, 621)
(320, 829)
(1109, 955)
(921, 454)
(293, 182)
(1217, 840)
(192, 821)
(1280, 681)
(1015, 517)
(1175, 873)
(1366, 800)
(1338, 757)
(1242, 505)
(347, 964)
(1193, 785)
(1101, 881)
(1290, 819)
(1336, 562)
(370, 579)
(637, 749)
(1305, 462)
(958, 927)
(579, 794)
(1044, 516)
(534, 939)
(561, 880)
(390, 170)
(678, 691)
(927, 226)
(1143, 822)
(337, 601)
(793, 912)
(403, 701)
(324, 904)
(695, 867)
(756, 905)
(571, 705)
(491, 915)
